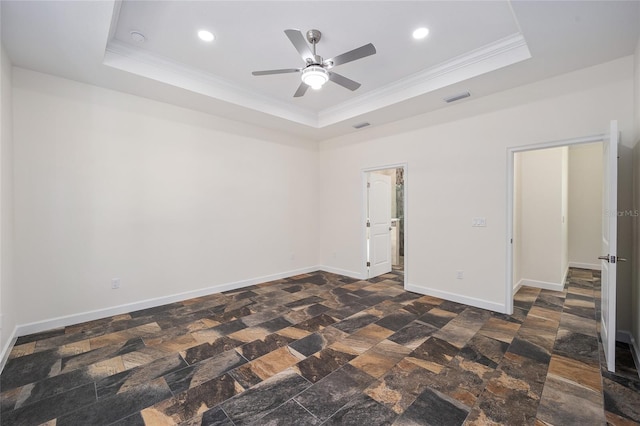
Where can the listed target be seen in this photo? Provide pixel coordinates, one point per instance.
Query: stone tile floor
(325, 349)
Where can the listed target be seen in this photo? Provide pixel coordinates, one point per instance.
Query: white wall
(457, 170)
(170, 201)
(635, 290)
(585, 205)
(8, 303)
(542, 259)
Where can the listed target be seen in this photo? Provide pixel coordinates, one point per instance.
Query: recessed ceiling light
(205, 35)
(137, 36)
(420, 33)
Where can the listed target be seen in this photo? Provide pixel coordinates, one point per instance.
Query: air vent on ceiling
(361, 125)
(457, 97)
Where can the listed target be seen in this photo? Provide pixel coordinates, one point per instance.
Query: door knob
(612, 259)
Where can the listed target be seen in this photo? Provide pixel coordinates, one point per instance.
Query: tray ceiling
(480, 47)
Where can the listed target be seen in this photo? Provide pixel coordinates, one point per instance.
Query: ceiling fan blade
(302, 89)
(343, 81)
(300, 43)
(282, 71)
(352, 55)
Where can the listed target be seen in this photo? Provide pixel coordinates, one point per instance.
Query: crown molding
(136, 61)
(493, 56)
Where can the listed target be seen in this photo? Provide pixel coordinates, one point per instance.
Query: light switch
(478, 222)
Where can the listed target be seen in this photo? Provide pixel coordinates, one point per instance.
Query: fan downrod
(313, 37)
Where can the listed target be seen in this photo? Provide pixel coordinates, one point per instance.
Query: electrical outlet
(115, 283)
(459, 275)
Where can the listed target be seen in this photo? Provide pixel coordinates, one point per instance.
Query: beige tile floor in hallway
(325, 349)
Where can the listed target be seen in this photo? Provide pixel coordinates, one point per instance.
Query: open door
(609, 256)
(379, 209)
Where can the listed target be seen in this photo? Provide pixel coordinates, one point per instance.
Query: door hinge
(368, 224)
(368, 184)
(368, 264)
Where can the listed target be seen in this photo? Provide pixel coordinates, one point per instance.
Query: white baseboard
(594, 266)
(517, 287)
(459, 298)
(542, 284)
(63, 321)
(6, 350)
(345, 272)
(67, 320)
(626, 337)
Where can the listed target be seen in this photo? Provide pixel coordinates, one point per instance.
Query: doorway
(609, 258)
(557, 214)
(384, 220)
(512, 202)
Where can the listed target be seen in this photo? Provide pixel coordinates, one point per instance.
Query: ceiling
(481, 47)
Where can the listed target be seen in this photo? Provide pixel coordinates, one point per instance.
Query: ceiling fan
(316, 71)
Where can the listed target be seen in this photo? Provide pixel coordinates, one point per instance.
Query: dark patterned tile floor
(326, 349)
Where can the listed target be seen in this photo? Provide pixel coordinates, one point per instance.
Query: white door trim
(511, 151)
(363, 219)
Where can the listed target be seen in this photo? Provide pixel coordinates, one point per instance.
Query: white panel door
(609, 252)
(380, 224)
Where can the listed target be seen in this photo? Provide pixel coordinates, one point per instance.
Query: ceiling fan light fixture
(315, 76)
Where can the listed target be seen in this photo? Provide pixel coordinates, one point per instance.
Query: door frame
(363, 220)
(511, 151)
